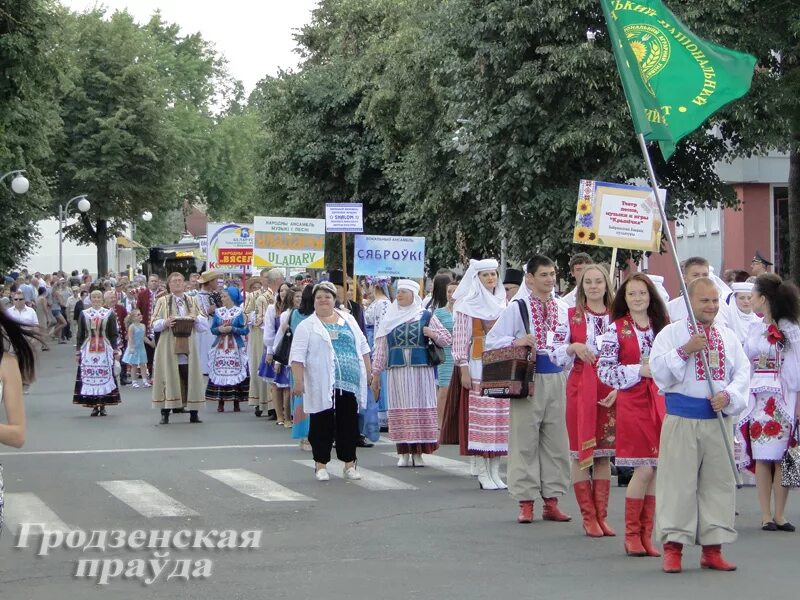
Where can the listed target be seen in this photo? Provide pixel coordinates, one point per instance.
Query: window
(690, 224)
(701, 221)
(714, 218)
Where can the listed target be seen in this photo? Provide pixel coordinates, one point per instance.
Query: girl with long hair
(771, 417)
(590, 410)
(637, 315)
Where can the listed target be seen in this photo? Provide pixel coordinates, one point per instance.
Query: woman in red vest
(590, 411)
(637, 315)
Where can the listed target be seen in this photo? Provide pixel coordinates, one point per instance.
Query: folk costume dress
(766, 424)
(590, 427)
(177, 378)
(639, 406)
(205, 339)
(695, 486)
(411, 390)
(228, 374)
(444, 372)
(258, 394)
(97, 339)
(272, 323)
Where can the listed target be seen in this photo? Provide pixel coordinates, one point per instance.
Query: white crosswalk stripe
(146, 499)
(448, 465)
(371, 480)
(256, 486)
(24, 507)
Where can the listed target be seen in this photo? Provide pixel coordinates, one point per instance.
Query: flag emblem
(651, 48)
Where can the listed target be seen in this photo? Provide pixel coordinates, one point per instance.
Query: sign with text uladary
(229, 247)
(618, 216)
(286, 242)
(395, 256)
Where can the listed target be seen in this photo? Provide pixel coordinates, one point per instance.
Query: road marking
(146, 499)
(372, 480)
(256, 486)
(448, 465)
(24, 507)
(176, 449)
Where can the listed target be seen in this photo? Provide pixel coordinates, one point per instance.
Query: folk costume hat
(207, 276)
(471, 296)
(513, 277)
(739, 321)
(759, 258)
(396, 314)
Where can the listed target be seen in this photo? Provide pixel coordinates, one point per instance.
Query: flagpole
(684, 291)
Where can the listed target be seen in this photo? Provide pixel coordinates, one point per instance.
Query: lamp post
(19, 183)
(83, 206)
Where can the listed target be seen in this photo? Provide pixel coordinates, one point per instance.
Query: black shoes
(363, 442)
(193, 418)
(95, 412)
(164, 417)
(258, 412)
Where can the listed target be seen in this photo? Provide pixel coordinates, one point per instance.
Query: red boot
(633, 527)
(583, 494)
(552, 513)
(648, 514)
(673, 552)
(711, 558)
(525, 511)
(602, 488)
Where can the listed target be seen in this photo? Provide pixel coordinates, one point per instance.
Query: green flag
(673, 79)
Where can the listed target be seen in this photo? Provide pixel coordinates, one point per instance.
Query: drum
(182, 329)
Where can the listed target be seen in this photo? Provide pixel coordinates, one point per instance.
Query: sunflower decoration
(581, 235)
(584, 207)
(592, 236)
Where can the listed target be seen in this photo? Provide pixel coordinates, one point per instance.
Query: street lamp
(19, 183)
(83, 206)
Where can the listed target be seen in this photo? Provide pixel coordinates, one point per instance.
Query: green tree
(29, 62)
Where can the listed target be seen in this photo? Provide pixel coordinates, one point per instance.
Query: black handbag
(285, 347)
(435, 353)
(790, 464)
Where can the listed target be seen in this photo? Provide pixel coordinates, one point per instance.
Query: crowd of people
(621, 378)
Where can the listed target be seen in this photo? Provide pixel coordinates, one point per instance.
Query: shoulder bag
(285, 347)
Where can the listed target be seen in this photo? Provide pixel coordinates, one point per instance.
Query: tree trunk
(794, 209)
(101, 241)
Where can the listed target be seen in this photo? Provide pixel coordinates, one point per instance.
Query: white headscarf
(473, 299)
(740, 322)
(724, 289)
(658, 282)
(396, 314)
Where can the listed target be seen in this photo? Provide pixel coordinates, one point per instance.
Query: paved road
(398, 534)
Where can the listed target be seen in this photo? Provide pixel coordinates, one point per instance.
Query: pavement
(425, 533)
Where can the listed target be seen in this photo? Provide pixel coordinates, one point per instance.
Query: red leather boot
(602, 488)
(583, 494)
(711, 558)
(673, 552)
(525, 511)
(633, 527)
(648, 514)
(552, 513)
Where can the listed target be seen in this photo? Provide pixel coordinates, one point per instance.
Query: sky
(254, 35)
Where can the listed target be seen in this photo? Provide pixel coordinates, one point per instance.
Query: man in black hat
(336, 277)
(511, 282)
(759, 265)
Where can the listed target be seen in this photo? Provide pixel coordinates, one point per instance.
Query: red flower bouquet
(755, 430)
(774, 334)
(772, 428)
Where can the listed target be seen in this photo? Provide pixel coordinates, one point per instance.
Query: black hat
(513, 276)
(761, 259)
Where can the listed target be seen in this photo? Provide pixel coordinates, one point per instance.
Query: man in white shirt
(695, 484)
(576, 265)
(695, 268)
(538, 453)
(22, 313)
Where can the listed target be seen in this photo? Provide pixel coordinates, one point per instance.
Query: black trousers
(340, 421)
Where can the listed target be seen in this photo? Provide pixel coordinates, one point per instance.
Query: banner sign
(618, 216)
(346, 217)
(390, 255)
(289, 243)
(229, 247)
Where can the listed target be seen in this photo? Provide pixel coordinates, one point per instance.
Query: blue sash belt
(689, 407)
(545, 366)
